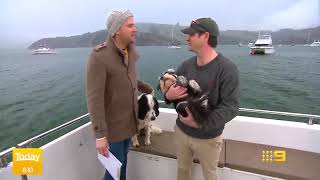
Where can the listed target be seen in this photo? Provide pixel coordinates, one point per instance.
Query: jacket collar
(132, 53)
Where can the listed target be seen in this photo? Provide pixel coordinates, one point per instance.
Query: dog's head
(148, 107)
(167, 78)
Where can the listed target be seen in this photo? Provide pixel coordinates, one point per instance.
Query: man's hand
(102, 146)
(176, 92)
(189, 120)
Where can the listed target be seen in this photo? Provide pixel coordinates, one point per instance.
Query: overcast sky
(25, 21)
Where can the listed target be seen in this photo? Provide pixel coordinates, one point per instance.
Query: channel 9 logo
(274, 156)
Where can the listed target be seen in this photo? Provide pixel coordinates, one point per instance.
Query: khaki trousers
(207, 150)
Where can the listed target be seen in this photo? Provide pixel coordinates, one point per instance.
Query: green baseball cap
(202, 25)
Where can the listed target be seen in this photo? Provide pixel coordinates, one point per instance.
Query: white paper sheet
(112, 165)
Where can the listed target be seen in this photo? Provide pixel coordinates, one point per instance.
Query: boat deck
(244, 156)
(73, 155)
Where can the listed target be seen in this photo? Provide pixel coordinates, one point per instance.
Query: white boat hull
(174, 47)
(315, 45)
(263, 45)
(44, 50)
(261, 50)
(47, 52)
(160, 168)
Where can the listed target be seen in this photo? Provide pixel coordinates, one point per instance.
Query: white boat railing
(310, 116)
(28, 143)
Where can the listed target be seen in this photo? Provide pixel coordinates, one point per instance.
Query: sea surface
(39, 92)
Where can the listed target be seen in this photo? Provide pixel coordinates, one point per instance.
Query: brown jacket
(111, 88)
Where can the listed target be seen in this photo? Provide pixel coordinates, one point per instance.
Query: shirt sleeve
(228, 108)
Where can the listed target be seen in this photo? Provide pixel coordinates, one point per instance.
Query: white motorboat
(263, 45)
(43, 50)
(315, 43)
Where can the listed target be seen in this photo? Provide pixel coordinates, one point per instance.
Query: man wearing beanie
(111, 89)
(218, 77)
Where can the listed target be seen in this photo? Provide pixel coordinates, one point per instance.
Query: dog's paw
(182, 81)
(194, 86)
(136, 144)
(156, 130)
(147, 142)
(181, 108)
(204, 104)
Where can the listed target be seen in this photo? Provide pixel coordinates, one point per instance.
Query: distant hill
(151, 34)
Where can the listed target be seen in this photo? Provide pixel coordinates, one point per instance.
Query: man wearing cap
(217, 76)
(111, 89)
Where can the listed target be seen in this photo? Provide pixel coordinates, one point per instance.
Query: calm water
(38, 93)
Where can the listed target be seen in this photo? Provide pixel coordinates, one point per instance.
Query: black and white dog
(148, 111)
(196, 101)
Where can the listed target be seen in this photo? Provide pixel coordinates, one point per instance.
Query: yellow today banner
(27, 161)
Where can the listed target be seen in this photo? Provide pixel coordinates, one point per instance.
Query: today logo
(27, 161)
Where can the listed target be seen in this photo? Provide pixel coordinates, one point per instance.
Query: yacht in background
(250, 44)
(42, 49)
(263, 45)
(173, 45)
(308, 37)
(315, 43)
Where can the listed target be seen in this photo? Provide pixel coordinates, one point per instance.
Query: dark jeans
(120, 151)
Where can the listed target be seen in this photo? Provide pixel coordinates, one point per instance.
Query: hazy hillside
(151, 34)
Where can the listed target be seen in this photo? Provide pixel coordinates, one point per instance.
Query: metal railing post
(311, 121)
(3, 162)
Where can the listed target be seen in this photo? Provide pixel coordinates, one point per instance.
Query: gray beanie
(116, 19)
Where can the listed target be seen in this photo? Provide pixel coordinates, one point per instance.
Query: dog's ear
(143, 106)
(156, 106)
